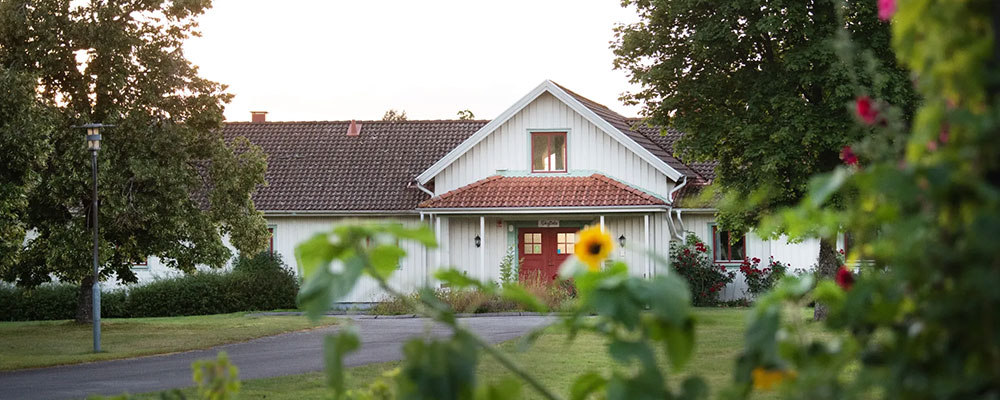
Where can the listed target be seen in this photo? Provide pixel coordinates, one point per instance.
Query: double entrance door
(543, 250)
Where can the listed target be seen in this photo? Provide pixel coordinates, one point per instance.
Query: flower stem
(437, 314)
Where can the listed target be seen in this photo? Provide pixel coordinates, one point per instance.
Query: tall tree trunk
(84, 301)
(827, 268)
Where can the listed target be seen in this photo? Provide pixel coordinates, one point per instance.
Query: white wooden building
(549, 165)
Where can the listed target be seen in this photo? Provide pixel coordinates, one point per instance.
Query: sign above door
(548, 223)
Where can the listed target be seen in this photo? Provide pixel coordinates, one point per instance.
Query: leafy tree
(24, 128)
(466, 114)
(759, 87)
(170, 186)
(394, 116)
(920, 322)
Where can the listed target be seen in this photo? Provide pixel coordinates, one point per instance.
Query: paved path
(287, 354)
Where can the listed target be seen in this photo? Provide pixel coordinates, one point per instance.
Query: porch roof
(543, 192)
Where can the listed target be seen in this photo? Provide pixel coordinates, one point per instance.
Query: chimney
(258, 116)
(354, 129)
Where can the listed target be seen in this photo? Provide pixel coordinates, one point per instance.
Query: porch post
(437, 251)
(645, 220)
(482, 247)
(602, 223)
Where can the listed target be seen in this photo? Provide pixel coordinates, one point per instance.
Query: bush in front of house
(556, 296)
(761, 280)
(693, 261)
(262, 282)
(49, 301)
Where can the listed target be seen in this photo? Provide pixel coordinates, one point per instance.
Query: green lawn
(554, 360)
(46, 343)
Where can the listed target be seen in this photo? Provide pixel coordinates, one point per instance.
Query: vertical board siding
(588, 149)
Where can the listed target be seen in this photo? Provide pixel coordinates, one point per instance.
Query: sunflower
(593, 247)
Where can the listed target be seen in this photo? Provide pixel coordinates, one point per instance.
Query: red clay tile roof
(543, 191)
(315, 166)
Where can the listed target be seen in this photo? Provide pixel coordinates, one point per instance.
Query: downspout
(421, 187)
(680, 222)
(670, 196)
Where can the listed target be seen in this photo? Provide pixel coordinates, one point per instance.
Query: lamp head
(94, 135)
(621, 240)
(479, 241)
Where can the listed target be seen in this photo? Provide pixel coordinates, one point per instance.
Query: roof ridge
(366, 121)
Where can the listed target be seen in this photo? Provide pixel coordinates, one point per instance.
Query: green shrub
(49, 301)
(693, 261)
(556, 296)
(256, 283)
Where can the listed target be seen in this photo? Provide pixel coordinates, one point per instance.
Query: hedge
(255, 283)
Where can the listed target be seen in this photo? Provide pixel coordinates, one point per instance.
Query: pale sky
(338, 60)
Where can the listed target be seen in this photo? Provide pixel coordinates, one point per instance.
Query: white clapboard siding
(588, 149)
(291, 231)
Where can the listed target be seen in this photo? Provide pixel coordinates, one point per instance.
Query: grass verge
(45, 343)
(553, 359)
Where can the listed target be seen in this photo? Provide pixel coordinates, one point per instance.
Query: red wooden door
(543, 250)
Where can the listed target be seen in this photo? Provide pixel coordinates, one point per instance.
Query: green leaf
(693, 388)
(670, 298)
(325, 287)
(385, 259)
(315, 295)
(335, 347)
(827, 292)
(823, 186)
(506, 388)
(680, 343)
(519, 294)
(421, 234)
(458, 280)
(586, 384)
(314, 253)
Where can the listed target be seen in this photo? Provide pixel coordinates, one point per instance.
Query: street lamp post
(94, 144)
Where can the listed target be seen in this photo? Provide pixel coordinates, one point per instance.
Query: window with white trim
(727, 246)
(548, 151)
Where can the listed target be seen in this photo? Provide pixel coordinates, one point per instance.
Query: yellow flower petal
(593, 247)
(765, 379)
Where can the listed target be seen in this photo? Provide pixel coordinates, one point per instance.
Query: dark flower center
(594, 248)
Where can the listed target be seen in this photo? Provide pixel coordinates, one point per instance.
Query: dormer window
(548, 152)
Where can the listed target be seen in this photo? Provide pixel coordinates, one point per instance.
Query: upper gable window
(548, 152)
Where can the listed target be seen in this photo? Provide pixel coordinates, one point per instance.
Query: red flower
(848, 156)
(845, 278)
(866, 109)
(886, 8)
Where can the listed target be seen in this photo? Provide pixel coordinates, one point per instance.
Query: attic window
(548, 152)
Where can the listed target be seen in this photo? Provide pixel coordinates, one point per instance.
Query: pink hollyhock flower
(848, 156)
(886, 8)
(845, 278)
(865, 108)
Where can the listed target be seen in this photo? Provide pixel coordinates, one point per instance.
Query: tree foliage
(466, 114)
(170, 186)
(922, 202)
(758, 87)
(25, 123)
(761, 88)
(392, 115)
